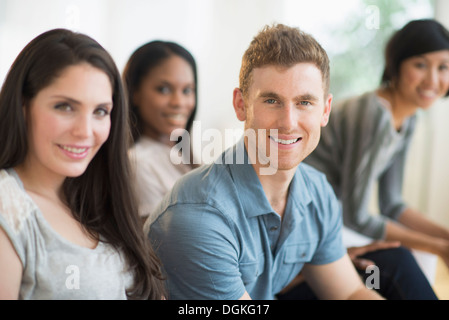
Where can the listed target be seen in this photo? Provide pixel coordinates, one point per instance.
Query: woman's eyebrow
(71, 100)
(74, 101)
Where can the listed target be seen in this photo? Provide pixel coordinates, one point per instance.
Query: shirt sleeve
(15, 209)
(330, 247)
(391, 203)
(199, 253)
(366, 130)
(149, 187)
(149, 191)
(13, 236)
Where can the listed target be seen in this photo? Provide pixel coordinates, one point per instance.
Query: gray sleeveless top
(53, 267)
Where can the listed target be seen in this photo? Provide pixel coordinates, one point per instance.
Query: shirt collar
(299, 191)
(249, 188)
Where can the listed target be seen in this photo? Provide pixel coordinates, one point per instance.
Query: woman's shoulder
(146, 148)
(362, 110)
(10, 186)
(15, 205)
(367, 99)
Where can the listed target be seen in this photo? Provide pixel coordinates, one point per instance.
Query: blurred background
(217, 32)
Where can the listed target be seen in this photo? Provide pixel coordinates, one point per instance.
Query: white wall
(438, 156)
(217, 32)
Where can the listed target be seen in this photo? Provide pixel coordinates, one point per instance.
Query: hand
(355, 252)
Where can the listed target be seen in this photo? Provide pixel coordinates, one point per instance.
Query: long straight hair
(101, 199)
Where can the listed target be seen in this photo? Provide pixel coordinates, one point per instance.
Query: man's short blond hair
(284, 46)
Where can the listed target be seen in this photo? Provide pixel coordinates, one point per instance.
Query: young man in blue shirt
(245, 226)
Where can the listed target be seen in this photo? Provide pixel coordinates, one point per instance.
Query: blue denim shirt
(218, 236)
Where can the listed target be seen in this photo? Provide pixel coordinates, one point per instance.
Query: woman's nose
(432, 77)
(176, 100)
(82, 126)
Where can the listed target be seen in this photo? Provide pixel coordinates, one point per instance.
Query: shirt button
(274, 228)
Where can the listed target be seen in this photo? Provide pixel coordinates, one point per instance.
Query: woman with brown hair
(69, 227)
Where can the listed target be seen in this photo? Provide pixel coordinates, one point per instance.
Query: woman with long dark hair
(69, 227)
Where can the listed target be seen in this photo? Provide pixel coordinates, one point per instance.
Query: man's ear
(327, 110)
(239, 104)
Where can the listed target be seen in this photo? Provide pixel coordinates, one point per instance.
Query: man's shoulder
(310, 173)
(208, 185)
(315, 189)
(205, 196)
(316, 183)
(209, 178)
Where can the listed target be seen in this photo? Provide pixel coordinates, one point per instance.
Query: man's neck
(276, 188)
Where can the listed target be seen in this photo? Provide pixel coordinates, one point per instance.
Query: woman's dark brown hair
(101, 198)
(417, 37)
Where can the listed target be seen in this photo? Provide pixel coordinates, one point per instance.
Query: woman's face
(425, 78)
(166, 98)
(68, 121)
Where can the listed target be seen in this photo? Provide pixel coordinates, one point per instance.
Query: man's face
(291, 100)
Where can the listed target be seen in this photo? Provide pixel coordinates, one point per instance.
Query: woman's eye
(187, 91)
(63, 107)
(420, 65)
(164, 90)
(443, 67)
(102, 112)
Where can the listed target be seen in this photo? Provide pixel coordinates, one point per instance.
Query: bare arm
(10, 269)
(417, 221)
(338, 281)
(415, 231)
